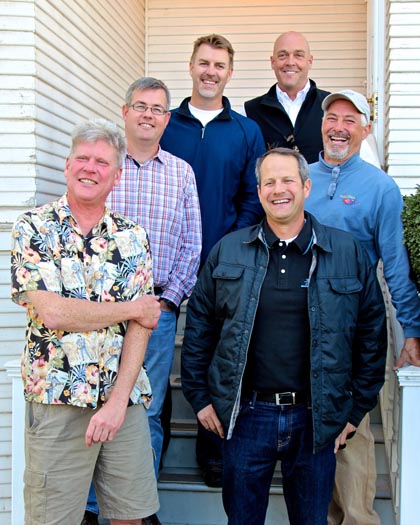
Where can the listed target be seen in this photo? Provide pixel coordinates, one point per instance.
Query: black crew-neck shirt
(279, 353)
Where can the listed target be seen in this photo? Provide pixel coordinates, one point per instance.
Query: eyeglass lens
(142, 108)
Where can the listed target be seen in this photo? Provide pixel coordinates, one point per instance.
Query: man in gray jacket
(284, 348)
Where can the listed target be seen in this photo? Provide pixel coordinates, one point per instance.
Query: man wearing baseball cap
(353, 195)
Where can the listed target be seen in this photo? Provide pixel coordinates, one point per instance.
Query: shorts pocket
(35, 413)
(35, 496)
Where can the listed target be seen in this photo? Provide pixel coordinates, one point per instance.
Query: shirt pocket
(339, 305)
(345, 285)
(227, 271)
(229, 285)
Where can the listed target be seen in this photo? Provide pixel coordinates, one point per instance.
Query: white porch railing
(18, 451)
(409, 489)
(400, 402)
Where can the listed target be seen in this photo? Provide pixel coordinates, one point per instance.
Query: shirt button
(283, 256)
(282, 270)
(280, 243)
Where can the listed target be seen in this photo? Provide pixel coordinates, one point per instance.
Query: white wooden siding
(12, 322)
(17, 106)
(61, 61)
(403, 94)
(87, 53)
(336, 32)
(17, 187)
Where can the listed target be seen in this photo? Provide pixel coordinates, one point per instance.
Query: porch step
(186, 500)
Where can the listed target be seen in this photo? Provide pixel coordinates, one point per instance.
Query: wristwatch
(169, 304)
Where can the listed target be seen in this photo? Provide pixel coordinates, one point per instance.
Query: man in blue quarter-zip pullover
(351, 194)
(220, 144)
(222, 147)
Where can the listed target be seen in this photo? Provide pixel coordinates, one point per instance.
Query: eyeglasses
(142, 108)
(333, 184)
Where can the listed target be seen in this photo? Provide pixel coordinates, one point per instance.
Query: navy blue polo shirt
(279, 353)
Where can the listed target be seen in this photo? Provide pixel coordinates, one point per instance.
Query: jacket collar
(303, 240)
(321, 239)
(185, 111)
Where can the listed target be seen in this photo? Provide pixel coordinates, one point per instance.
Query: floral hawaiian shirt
(111, 263)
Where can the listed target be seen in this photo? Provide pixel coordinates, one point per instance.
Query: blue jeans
(263, 434)
(92, 504)
(158, 362)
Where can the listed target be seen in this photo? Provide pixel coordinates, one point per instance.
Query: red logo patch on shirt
(349, 200)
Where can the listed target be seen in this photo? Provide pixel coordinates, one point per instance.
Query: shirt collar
(160, 156)
(64, 213)
(347, 164)
(283, 97)
(303, 241)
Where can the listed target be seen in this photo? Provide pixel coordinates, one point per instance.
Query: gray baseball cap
(357, 99)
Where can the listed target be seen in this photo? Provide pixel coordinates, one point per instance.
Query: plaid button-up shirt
(161, 196)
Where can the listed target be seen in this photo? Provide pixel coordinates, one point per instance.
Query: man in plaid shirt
(158, 191)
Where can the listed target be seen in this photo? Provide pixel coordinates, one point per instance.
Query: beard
(337, 154)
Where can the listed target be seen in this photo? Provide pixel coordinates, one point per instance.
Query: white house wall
(403, 94)
(336, 32)
(61, 61)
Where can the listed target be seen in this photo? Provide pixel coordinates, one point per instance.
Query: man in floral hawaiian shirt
(84, 275)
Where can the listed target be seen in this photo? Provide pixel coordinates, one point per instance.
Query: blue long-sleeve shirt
(367, 202)
(223, 155)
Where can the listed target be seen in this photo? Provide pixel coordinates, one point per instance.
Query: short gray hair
(97, 129)
(303, 167)
(148, 83)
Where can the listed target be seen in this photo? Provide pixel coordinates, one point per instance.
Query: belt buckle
(279, 395)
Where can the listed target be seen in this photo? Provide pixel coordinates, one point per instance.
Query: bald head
(294, 39)
(291, 62)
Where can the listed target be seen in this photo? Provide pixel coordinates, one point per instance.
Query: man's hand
(410, 353)
(208, 418)
(148, 311)
(341, 439)
(104, 425)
